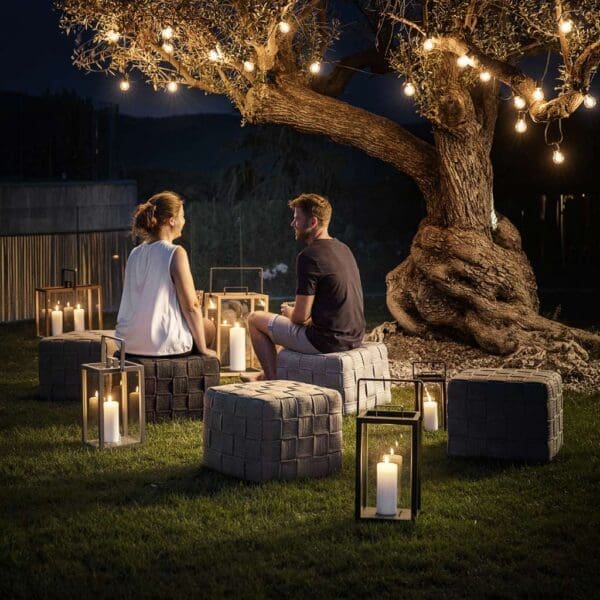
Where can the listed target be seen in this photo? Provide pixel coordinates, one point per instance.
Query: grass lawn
(151, 521)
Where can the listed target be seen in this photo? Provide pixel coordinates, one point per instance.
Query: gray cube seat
(514, 414)
(341, 371)
(60, 360)
(273, 430)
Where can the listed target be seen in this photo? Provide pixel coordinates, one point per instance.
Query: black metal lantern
(433, 374)
(388, 458)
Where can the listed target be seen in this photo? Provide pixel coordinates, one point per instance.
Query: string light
(167, 33)
(557, 156)
(284, 27)
(409, 89)
(521, 125)
(248, 66)
(428, 45)
(315, 67)
(172, 86)
(168, 47)
(113, 36)
(124, 85)
(589, 101)
(485, 76)
(463, 61)
(519, 102)
(213, 55)
(566, 26)
(538, 94)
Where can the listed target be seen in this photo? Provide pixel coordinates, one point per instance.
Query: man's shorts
(290, 335)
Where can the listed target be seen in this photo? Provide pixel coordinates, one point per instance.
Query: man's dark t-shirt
(327, 270)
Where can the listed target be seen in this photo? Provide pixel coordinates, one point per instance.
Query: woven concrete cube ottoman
(60, 360)
(175, 387)
(514, 414)
(273, 430)
(340, 371)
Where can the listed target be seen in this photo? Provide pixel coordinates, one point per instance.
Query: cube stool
(60, 360)
(174, 387)
(514, 414)
(341, 371)
(273, 430)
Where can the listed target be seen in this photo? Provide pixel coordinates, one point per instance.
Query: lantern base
(227, 372)
(126, 440)
(369, 513)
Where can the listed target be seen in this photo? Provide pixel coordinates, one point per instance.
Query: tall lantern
(433, 374)
(112, 395)
(388, 458)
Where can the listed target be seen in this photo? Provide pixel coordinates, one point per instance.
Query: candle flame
(225, 322)
(109, 399)
(392, 451)
(68, 304)
(96, 393)
(429, 398)
(386, 458)
(78, 306)
(137, 388)
(56, 307)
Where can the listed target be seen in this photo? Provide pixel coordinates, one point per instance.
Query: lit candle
(111, 421)
(79, 318)
(237, 348)
(57, 321)
(387, 487)
(394, 458)
(68, 317)
(430, 414)
(134, 402)
(93, 407)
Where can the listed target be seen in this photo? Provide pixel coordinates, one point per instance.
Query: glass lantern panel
(235, 347)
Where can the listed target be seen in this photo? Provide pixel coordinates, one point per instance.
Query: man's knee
(259, 320)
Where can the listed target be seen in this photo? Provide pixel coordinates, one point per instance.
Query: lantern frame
(382, 415)
(111, 366)
(436, 373)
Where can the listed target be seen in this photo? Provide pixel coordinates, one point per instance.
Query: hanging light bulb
(521, 125)
(113, 36)
(172, 86)
(485, 76)
(566, 26)
(124, 85)
(557, 156)
(428, 45)
(538, 94)
(167, 33)
(589, 101)
(248, 66)
(315, 67)
(284, 27)
(168, 47)
(213, 55)
(409, 89)
(463, 61)
(519, 102)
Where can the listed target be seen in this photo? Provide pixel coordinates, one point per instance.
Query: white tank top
(150, 318)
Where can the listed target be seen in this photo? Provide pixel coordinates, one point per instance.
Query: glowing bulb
(113, 36)
(589, 101)
(485, 76)
(168, 47)
(315, 67)
(463, 61)
(557, 156)
(519, 102)
(248, 66)
(409, 89)
(172, 86)
(566, 26)
(428, 45)
(167, 33)
(284, 27)
(124, 85)
(213, 56)
(521, 125)
(538, 94)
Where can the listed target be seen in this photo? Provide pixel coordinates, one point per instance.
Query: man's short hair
(313, 205)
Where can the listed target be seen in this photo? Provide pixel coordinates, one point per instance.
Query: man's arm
(301, 311)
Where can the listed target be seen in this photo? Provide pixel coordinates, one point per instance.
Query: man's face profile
(302, 225)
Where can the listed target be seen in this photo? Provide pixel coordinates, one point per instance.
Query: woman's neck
(163, 235)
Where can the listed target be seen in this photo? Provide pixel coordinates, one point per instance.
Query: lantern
(435, 403)
(229, 310)
(388, 457)
(112, 394)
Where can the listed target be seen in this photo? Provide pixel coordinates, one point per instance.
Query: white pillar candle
(57, 321)
(430, 415)
(111, 421)
(237, 348)
(79, 318)
(93, 407)
(394, 458)
(387, 488)
(134, 404)
(68, 317)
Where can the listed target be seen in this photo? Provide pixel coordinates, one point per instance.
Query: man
(327, 315)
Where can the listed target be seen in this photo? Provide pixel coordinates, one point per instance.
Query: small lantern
(229, 310)
(435, 403)
(112, 393)
(388, 459)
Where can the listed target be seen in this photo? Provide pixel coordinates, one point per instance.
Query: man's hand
(287, 310)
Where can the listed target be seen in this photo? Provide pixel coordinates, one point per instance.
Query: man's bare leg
(263, 344)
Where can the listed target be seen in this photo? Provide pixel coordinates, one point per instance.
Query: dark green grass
(151, 521)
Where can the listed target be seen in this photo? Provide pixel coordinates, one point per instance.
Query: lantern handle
(103, 350)
(434, 364)
(417, 383)
(259, 269)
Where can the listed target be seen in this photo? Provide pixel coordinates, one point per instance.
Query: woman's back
(150, 319)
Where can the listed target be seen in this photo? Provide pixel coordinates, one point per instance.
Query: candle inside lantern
(93, 407)
(79, 318)
(430, 414)
(134, 403)
(111, 421)
(394, 458)
(387, 487)
(57, 321)
(68, 317)
(237, 348)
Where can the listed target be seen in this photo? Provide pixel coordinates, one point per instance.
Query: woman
(160, 314)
